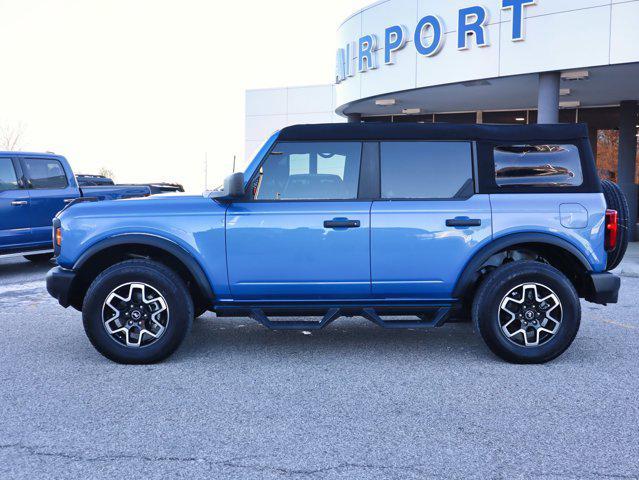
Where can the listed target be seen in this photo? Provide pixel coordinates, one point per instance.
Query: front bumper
(60, 284)
(602, 288)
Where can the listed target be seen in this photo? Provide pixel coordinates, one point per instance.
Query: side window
(538, 166)
(310, 171)
(45, 173)
(8, 178)
(426, 170)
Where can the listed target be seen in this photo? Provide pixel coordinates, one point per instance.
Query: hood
(169, 204)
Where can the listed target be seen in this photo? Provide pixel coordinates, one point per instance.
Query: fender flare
(155, 241)
(467, 277)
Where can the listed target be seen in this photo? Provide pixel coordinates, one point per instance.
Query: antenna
(206, 171)
(233, 163)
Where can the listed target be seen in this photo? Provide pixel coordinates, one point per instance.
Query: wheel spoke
(135, 315)
(530, 315)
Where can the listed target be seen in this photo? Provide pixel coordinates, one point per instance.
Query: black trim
(60, 284)
(602, 288)
(369, 175)
(433, 131)
(153, 241)
(470, 273)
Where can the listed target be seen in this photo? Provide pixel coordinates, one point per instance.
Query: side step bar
(437, 319)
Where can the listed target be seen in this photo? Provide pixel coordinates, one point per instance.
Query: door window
(426, 170)
(45, 173)
(310, 171)
(8, 178)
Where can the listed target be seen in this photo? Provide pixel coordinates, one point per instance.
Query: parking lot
(352, 401)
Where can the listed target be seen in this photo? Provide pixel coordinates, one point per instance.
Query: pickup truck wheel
(137, 312)
(527, 312)
(41, 258)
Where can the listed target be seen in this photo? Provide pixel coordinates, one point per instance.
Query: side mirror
(234, 185)
(233, 189)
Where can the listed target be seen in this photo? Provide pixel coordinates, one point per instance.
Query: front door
(50, 190)
(303, 233)
(428, 223)
(15, 231)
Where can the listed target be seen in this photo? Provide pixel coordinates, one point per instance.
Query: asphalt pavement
(351, 402)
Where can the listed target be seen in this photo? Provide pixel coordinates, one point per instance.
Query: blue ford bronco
(406, 225)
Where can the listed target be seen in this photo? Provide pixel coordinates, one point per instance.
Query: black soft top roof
(433, 131)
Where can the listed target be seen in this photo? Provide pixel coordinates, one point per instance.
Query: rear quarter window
(538, 166)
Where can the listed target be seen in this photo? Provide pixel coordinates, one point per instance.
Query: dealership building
(478, 61)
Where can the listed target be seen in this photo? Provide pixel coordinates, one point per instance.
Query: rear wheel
(616, 200)
(527, 312)
(137, 312)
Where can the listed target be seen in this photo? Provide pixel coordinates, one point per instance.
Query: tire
(168, 297)
(489, 317)
(616, 200)
(41, 258)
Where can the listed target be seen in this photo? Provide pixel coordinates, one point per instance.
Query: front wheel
(137, 312)
(527, 312)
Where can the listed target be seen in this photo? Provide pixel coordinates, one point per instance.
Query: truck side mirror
(234, 185)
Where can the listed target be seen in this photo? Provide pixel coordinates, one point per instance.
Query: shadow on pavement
(346, 337)
(18, 269)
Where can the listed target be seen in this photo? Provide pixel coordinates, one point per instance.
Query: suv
(406, 225)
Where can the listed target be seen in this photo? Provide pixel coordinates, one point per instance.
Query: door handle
(342, 224)
(19, 203)
(463, 222)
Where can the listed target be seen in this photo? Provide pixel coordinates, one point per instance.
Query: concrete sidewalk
(630, 265)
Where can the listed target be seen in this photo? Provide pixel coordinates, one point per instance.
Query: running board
(437, 319)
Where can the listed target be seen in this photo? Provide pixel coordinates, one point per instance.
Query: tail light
(612, 228)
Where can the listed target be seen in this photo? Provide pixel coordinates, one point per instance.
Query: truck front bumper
(602, 288)
(60, 284)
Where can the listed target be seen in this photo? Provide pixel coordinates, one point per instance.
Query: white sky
(146, 87)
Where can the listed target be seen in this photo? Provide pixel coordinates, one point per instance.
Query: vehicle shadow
(352, 337)
(14, 270)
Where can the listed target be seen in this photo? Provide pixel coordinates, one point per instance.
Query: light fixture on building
(564, 92)
(575, 104)
(385, 102)
(411, 111)
(575, 75)
(520, 119)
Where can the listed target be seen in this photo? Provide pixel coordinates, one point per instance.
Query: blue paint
(472, 21)
(435, 25)
(366, 53)
(395, 39)
(517, 7)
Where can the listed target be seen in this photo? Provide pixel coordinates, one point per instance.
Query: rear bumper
(602, 288)
(59, 284)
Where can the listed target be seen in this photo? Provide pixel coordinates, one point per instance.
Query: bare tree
(11, 137)
(105, 172)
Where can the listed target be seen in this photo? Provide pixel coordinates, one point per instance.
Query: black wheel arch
(575, 261)
(121, 247)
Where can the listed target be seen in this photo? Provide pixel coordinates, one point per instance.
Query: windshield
(259, 156)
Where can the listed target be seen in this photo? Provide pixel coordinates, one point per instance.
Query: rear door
(304, 233)
(50, 190)
(428, 222)
(15, 228)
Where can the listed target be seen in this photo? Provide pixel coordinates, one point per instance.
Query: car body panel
(282, 251)
(15, 222)
(535, 213)
(194, 223)
(414, 255)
